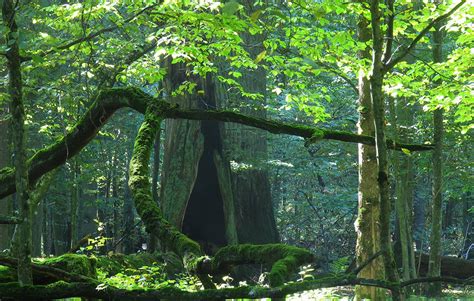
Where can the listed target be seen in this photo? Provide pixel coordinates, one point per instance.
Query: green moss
(7, 274)
(284, 259)
(317, 135)
(148, 210)
(5, 173)
(72, 263)
(116, 263)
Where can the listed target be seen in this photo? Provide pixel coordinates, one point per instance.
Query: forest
(236, 150)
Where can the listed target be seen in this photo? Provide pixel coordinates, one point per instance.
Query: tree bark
(6, 231)
(403, 170)
(434, 268)
(75, 195)
(378, 105)
(367, 223)
(184, 145)
(128, 215)
(247, 146)
(22, 236)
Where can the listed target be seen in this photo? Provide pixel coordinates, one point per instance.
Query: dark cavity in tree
(204, 218)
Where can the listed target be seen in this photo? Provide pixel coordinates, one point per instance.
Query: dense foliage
(310, 54)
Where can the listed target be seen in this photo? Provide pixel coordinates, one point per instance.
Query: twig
(91, 35)
(9, 220)
(367, 262)
(393, 61)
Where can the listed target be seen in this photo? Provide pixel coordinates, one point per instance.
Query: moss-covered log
(284, 259)
(68, 267)
(110, 100)
(450, 266)
(89, 290)
(72, 267)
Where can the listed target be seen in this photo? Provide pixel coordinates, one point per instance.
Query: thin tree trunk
(60, 221)
(75, 196)
(378, 105)
(22, 235)
(37, 198)
(403, 170)
(400, 204)
(367, 223)
(128, 214)
(155, 174)
(6, 231)
(434, 268)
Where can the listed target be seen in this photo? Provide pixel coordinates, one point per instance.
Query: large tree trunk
(367, 223)
(199, 194)
(184, 146)
(246, 147)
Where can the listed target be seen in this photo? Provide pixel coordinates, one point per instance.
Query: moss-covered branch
(147, 209)
(310, 133)
(284, 259)
(104, 106)
(110, 100)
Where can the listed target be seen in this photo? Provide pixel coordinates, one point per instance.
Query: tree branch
(312, 134)
(335, 71)
(110, 100)
(9, 220)
(393, 61)
(91, 35)
(389, 33)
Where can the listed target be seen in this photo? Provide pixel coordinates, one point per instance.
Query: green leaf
(254, 16)
(406, 151)
(260, 56)
(230, 8)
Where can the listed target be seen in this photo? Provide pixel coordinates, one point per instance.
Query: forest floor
(347, 293)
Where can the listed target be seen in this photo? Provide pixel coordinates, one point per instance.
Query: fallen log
(82, 268)
(450, 266)
(72, 268)
(63, 289)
